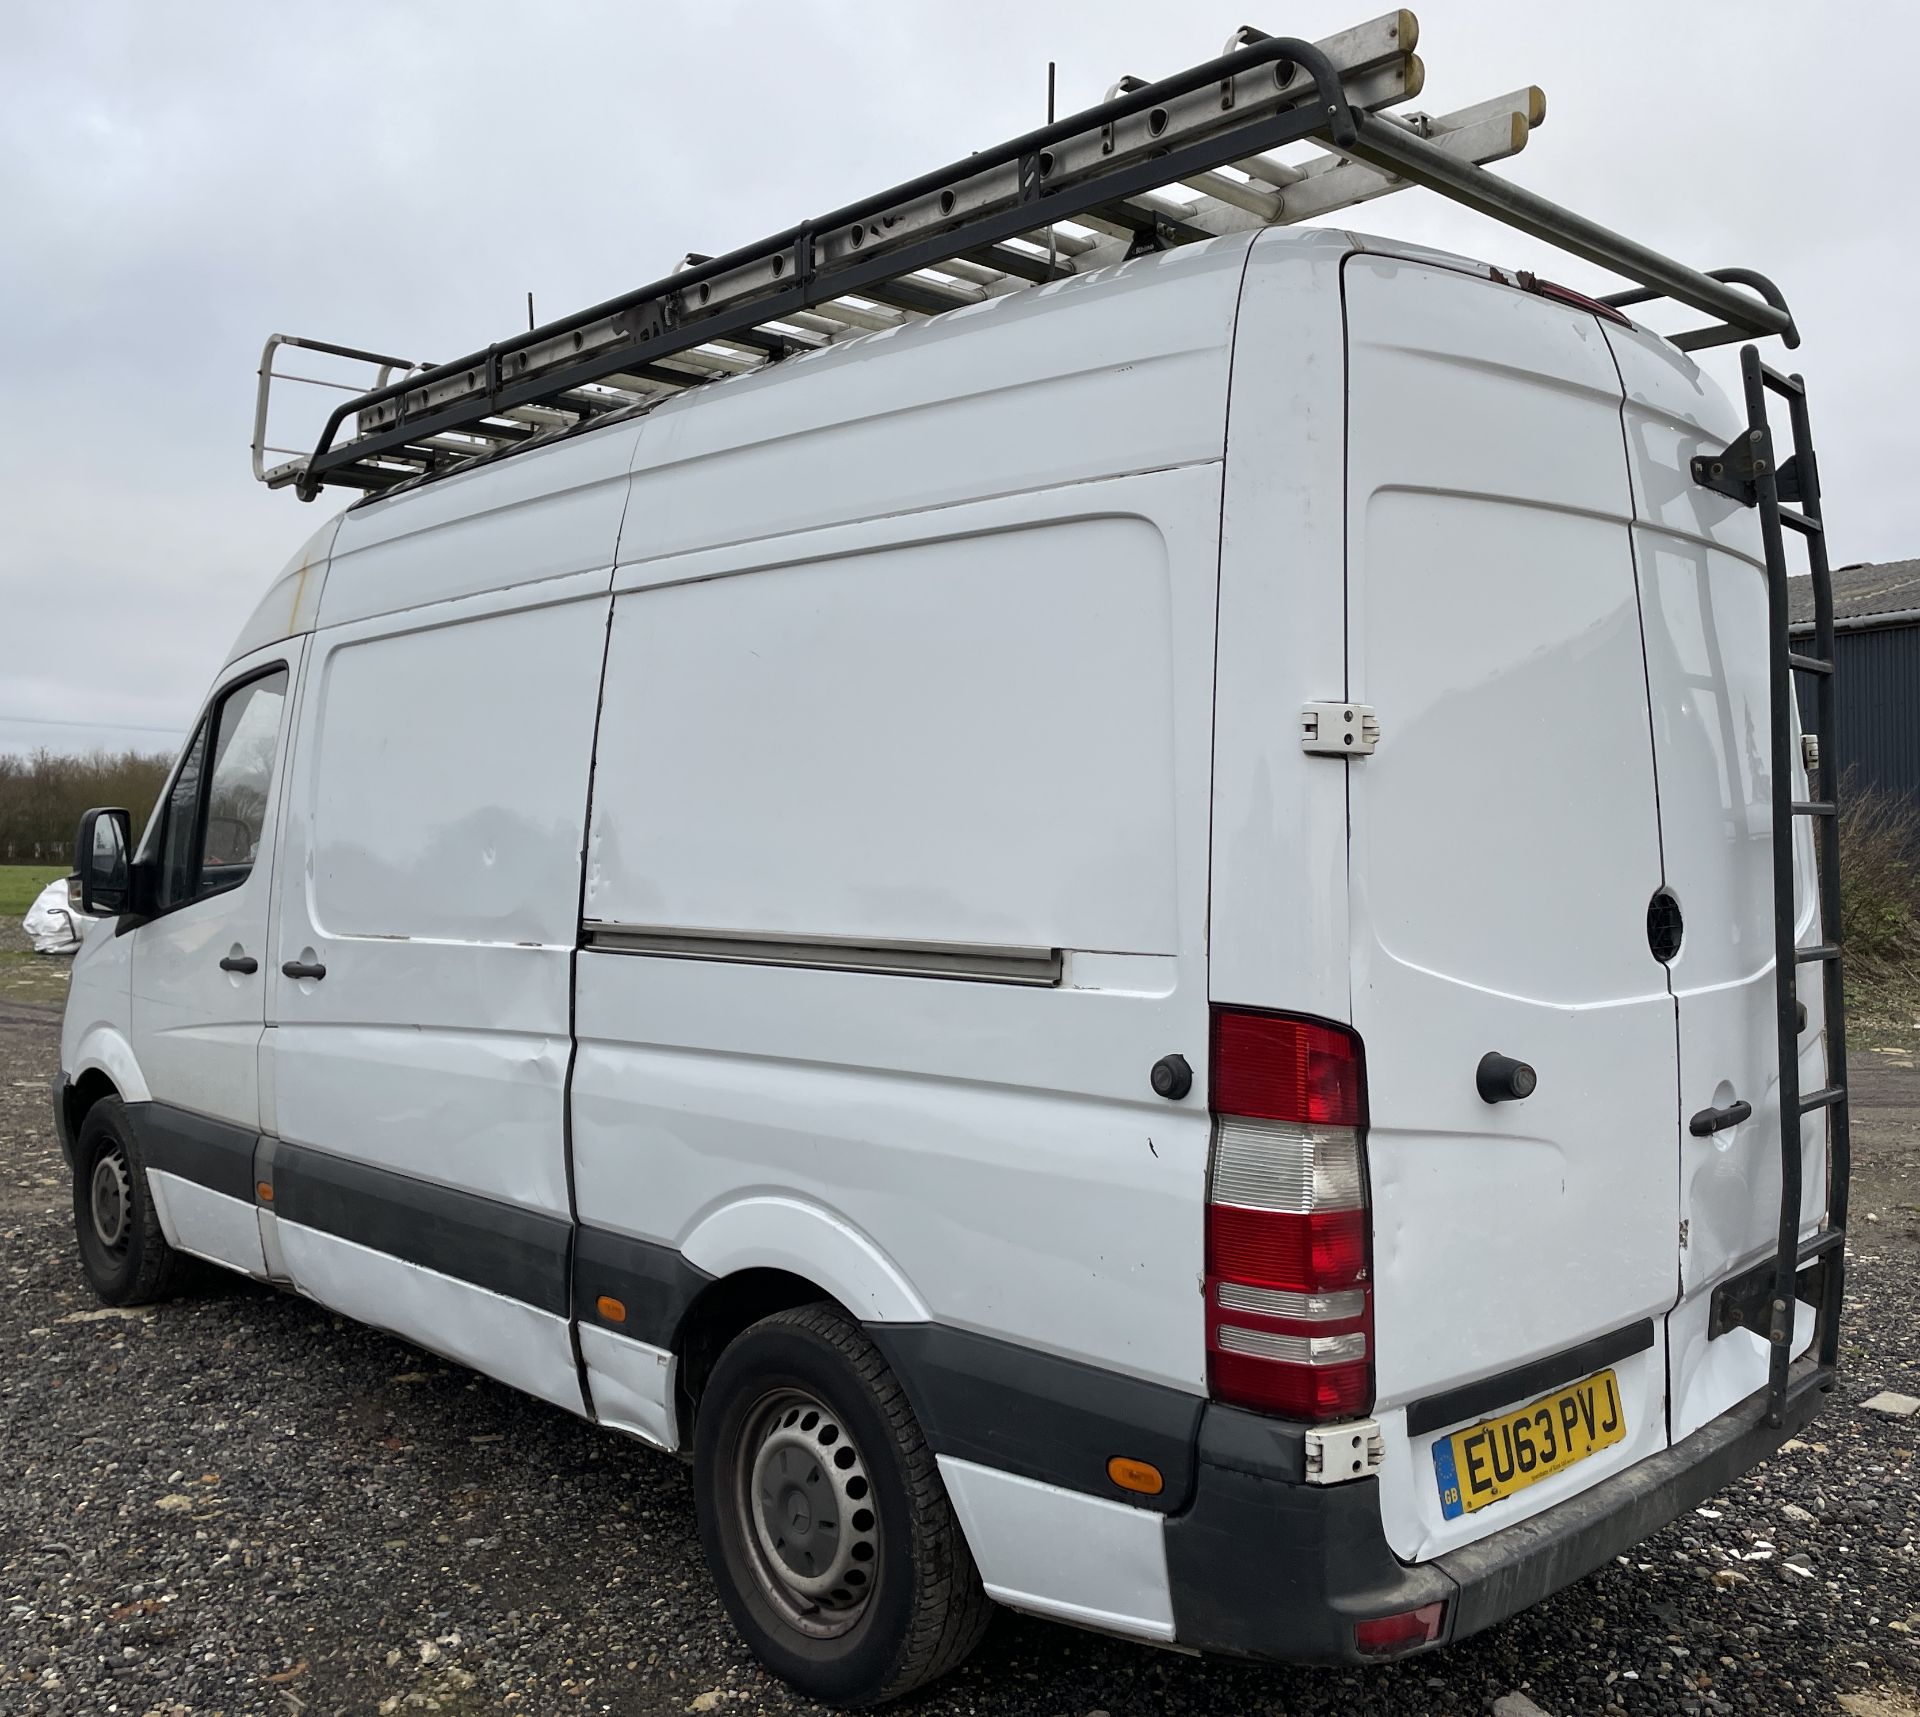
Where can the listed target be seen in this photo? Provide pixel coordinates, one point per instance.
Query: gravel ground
(238, 1503)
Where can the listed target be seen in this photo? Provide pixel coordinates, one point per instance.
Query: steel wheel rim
(110, 1200)
(807, 1513)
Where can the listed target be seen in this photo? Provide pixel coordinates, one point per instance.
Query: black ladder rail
(1264, 94)
(1748, 471)
(1827, 769)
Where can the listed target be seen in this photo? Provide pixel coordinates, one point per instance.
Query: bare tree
(42, 796)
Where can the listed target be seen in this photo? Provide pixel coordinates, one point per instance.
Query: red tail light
(1289, 1304)
(1389, 1636)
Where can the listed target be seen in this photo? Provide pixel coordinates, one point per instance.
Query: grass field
(19, 883)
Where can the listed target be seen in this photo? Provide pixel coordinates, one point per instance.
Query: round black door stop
(1172, 1078)
(1501, 1079)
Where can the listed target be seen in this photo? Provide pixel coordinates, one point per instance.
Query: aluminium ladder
(1190, 157)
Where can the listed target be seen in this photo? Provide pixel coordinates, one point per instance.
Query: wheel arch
(768, 1255)
(104, 1052)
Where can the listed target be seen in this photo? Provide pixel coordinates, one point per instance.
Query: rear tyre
(823, 1516)
(127, 1259)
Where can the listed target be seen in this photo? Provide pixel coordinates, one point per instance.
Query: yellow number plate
(1499, 1456)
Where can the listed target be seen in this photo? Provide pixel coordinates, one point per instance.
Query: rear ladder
(1763, 1299)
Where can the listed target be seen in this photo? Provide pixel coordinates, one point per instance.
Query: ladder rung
(1809, 664)
(1818, 951)
(1827, 1240)
(1796, 520)
(1792, 386)
(1824, 1098)
(1813, 807)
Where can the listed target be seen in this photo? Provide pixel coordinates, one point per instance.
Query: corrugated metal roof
(1859, 592)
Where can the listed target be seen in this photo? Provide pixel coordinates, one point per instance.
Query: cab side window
(217, 809)
(178, 834)
(243, 747)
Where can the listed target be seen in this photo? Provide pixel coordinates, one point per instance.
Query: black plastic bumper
(1264, 1566)
(61, 1086)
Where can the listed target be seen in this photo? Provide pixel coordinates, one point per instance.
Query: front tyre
(823, 1516)
(127, 1259)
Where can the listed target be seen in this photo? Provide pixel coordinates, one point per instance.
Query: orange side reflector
(610, 1309)
(263, 1190)
(1141, 1476)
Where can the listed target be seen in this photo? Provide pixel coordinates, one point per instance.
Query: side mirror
(101, 853)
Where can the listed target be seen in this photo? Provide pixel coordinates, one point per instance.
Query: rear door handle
(240, 963)
(1710, 1121)
(304, 969)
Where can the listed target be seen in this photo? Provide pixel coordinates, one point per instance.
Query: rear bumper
(1263, 1566)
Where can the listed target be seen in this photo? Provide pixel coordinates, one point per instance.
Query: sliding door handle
(1711, 1121)
(240, 963)
(304, 969)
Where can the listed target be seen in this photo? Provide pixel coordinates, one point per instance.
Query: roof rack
(1157, 164)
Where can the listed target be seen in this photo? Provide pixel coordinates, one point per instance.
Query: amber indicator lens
(1142, 1477)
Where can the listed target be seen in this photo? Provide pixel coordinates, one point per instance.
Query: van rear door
(1704, 601)
(1504, 847)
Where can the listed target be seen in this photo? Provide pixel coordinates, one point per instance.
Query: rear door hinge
(1734, 471)
(1338, 729)
(1336, 1453)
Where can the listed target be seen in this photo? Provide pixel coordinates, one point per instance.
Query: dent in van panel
(1121, 373)
(1084, 1559)
(780, 1232)
(210, 1224)
(476, 1109)
(1531, 902)
(632, 1386)
(1477, 363)
(1410, 1507)
(451, 779)
(532, 1350)
(953, 1123)
(966, 740)
(540, 515)
(1674, 410)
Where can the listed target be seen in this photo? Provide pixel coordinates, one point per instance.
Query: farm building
(1876, 618)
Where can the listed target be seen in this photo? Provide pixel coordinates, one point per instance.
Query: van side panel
(547, 513)
(980, 727)
(881, 744)
(1088, 378)
(1278, 919)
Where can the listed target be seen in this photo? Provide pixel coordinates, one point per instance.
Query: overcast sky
(179, 180)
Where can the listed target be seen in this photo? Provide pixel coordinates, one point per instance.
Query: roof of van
(555, 507)
(1866, 591)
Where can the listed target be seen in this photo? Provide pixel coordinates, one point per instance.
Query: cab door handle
(304, 969)
(240, 963)
(1711, 1121)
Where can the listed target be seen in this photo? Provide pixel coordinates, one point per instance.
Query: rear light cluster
(1289, 1297)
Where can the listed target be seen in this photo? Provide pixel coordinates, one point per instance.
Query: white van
(1116, 949)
